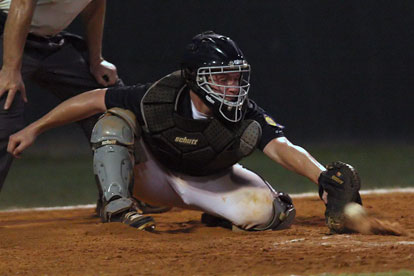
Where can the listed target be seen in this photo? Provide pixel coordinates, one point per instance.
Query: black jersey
(129, 97)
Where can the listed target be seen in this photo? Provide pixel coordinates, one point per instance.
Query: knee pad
(283, 213)
(113, 145)
(116, 127)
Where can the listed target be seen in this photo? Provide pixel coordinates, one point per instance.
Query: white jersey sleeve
(51, 16)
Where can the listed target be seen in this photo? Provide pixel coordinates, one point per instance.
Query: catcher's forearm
(294, 158)
(15, 32)
(74, 109)
(93, 17)
(301, 162)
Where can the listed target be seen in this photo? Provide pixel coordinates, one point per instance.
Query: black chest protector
(186, 145)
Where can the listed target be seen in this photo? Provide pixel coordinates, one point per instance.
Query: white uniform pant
(237, 194)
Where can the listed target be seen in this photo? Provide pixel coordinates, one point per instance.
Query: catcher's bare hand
(21, 140)
(104, 72)
(11, 82)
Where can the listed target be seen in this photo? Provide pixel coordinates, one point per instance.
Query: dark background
(327, 70)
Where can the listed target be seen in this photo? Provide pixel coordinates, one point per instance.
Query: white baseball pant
(237, 194)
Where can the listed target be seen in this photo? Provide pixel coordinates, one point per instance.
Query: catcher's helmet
(210, 56)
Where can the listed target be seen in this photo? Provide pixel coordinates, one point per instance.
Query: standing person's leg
(237, 195)
(12, 120)
(36, 55)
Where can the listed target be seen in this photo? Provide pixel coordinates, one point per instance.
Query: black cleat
(213, 221)
(138, 221)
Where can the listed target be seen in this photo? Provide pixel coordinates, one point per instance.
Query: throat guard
(186, 145)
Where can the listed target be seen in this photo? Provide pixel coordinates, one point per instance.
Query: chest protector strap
(194, 147)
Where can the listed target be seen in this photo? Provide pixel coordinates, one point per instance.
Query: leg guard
(113, 146)
(283, 213)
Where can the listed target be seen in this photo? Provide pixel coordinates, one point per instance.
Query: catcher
(177, 142)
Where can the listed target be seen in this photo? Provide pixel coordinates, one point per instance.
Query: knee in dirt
(255, 207)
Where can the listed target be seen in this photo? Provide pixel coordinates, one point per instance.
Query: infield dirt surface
(75, 242)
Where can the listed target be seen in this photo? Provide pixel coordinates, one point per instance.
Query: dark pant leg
(12, 120)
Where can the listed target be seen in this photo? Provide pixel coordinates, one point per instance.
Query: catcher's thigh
(238, 195)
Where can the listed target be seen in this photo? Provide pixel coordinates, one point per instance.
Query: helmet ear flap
(188, 75)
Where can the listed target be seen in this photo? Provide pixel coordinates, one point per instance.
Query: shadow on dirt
(179, 227)
(309, 221)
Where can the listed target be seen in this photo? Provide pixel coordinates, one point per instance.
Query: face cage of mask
(230, 104)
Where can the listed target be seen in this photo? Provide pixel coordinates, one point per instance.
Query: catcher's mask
(215, 69)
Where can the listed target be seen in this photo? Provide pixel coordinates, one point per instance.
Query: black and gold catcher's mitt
(342, 183)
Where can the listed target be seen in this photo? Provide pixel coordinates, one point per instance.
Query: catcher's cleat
(138, 221)
(123, 210)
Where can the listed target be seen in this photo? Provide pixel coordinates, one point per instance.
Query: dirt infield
(74, 242)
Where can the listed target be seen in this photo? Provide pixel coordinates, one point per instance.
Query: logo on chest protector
(185, 140)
